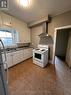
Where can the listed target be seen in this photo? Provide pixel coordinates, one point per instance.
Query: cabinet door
(6, 19)
(27, 53)
(17, 57)
(30, 52)
(22, 29)
(15, 24)
(21, 56)
(26, 35)
(18, 26)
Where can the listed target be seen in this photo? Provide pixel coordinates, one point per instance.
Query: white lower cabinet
(30, 52)
(16, 57)
(27, 53)
(21, 57)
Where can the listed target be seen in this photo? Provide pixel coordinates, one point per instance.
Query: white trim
(55, 34)
(64, 27)
(40, 21)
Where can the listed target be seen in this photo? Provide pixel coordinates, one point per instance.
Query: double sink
(8, 50)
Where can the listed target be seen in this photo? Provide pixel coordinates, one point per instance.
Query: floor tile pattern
(27, 78)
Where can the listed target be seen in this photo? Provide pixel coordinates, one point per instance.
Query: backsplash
(23, 44)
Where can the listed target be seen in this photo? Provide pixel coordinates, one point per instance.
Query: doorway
(62, 48)
(61, 43)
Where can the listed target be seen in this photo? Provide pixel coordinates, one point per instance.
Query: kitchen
(28, 38)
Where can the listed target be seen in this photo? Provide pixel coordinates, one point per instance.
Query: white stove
(40, 55)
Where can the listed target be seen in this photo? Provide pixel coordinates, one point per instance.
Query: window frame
(10, 31)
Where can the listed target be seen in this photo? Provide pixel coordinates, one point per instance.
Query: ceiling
(38, 9)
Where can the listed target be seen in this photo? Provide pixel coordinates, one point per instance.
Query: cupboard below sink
(18, 56)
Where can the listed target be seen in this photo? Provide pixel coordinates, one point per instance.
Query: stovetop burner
(40, 49)
(43, 50)
(37, 49)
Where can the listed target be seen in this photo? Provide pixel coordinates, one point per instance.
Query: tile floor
(29, 79)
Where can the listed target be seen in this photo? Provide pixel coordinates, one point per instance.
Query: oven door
(37, 56)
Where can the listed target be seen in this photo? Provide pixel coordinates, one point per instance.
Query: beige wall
(35, 31)
(58, 21)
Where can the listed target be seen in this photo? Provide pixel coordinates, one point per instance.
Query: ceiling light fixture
(24, 3)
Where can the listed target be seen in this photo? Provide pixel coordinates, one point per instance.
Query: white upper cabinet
(22, 29)
(6, 20)
(15, 24)
(26, 35)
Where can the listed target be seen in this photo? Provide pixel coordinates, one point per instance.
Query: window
(6, 37)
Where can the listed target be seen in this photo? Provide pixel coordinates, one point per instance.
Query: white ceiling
(38, 9)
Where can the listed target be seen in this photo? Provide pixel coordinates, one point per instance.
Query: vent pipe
(45, 39)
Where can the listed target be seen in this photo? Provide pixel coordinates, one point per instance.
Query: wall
(61, 42)
(58, 21)
(35, 31)
(0, 21)
(68, 54)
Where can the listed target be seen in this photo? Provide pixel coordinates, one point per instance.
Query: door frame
(55, 35)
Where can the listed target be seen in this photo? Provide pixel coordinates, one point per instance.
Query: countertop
(13, 49)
